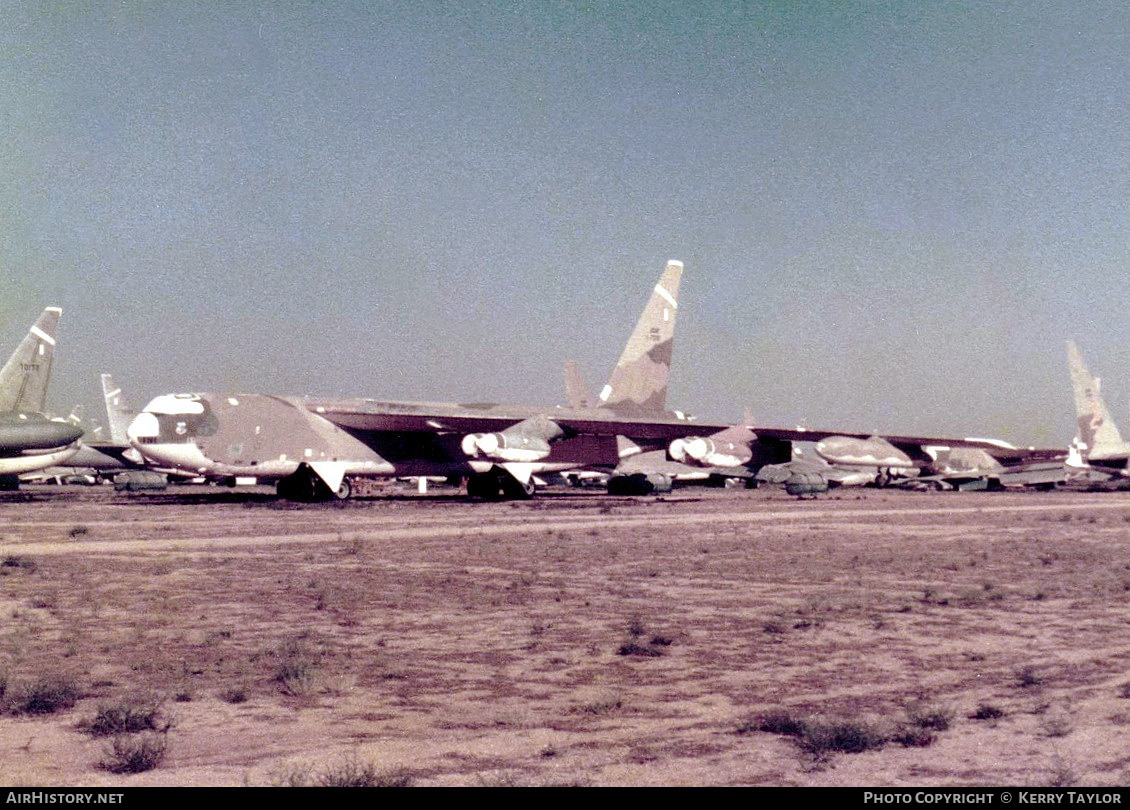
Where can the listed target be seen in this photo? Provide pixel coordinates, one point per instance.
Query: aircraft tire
(515, 490)
(303, 486)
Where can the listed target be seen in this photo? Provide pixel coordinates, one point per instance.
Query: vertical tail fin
(118, 413)
(639, 381)
(1098, 436)
(23, 380)
(576, 391)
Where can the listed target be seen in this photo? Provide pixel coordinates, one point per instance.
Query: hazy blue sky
(892, 214)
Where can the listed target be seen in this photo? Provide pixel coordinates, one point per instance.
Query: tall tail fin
(23, 380)
(1098, 436)
(118, 413)
(639, 381)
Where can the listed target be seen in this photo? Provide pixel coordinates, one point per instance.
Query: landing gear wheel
(305, 486)
(517, 490)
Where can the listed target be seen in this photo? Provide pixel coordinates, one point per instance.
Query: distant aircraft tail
(23, 380)
(577, 392)
(118, 413)
(639, 381)
(1098, 436)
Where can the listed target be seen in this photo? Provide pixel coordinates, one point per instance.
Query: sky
(892, 214)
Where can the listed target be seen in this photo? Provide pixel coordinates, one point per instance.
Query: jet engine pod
(872, 452)
(485, 444)
(525, 442)
(709, 452)
(805, 484)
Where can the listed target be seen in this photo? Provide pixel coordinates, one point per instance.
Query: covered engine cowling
(526, 441)
(803, 484)
(639, 484)
(709, 452)
(873, 452)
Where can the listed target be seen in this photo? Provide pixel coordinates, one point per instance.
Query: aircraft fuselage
(271, 437)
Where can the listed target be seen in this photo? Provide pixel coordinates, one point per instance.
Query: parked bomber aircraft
(642, 472)
(841, 460)
(28, 439)
(940, 464)
(314, 447)
(1098, 443)
(99, 459)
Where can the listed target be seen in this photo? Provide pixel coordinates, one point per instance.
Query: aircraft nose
(66, 432)
(57, 434)
(144, 426)
(37, 433)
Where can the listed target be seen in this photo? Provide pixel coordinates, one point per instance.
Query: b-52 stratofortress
(313, 448)
(1098, 443)
(28, 439)
(101, 458)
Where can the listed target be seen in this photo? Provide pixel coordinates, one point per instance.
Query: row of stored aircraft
(318, 448)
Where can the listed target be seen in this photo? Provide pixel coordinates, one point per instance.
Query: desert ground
(575, 639)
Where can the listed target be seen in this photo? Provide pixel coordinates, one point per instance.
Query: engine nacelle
(709, 452)
(876, 451)
(500, 447)
(526, 441)
(963, 461)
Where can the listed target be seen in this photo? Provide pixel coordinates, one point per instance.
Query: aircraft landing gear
(483, 486)
(306, 486)
(494, 486)
(516, 490)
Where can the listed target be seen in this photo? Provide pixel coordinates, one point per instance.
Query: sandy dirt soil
(451, 643)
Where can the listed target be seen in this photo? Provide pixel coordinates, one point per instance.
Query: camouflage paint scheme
(803, 469)
(97, 458)
(944, 463)
(1098, 442)
(497, 447)
(28, 439)
(638, 384)
(313, 446)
